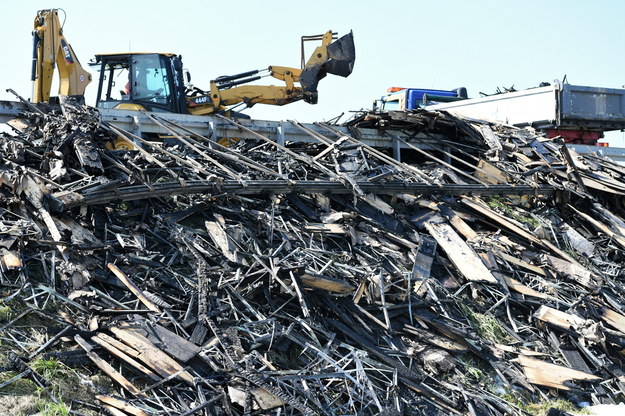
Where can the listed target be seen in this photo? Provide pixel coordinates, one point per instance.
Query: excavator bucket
(339, 60)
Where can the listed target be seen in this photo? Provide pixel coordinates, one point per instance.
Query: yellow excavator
(51, 50)
(157, 82)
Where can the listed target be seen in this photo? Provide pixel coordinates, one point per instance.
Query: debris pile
(480, 277)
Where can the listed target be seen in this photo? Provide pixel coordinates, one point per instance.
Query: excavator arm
(227, 91)
(330, 57)
(51, 50)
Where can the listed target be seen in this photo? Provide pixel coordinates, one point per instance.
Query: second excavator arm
(330, 57)
(51, 50)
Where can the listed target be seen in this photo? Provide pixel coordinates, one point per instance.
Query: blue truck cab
(400, 99)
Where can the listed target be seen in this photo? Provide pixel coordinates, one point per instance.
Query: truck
(577, 114)
(400, 99)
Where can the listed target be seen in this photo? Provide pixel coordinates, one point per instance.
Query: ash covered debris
(480, 278)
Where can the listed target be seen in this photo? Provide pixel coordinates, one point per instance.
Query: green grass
(486, 326)
(541, 408)
(500, 204)
(6, 313)
(472, 372)
(47, 408)
(20, 387)
(49, 369)
(65, 385)
(30, 396)
(22, 396)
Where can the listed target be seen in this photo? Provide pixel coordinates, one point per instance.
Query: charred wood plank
(327, 283)
(133, 288)
(153, 357)
(106, 367)
(551, 375)
(168, 341)
(121, 405)
(461, 255)
(124, 357)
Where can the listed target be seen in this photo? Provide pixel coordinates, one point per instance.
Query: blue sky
(481, 45)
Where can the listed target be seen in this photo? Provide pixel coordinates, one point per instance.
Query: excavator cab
(149, 81)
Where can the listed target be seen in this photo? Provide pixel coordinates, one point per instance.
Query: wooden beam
(524, 290)
(460, 253)
(551, 375)
(523, 264)
(121, 405)
(106, 367)
(329, 284)
(125, 357)
(153, 357)
(558, 318)
(133, 288)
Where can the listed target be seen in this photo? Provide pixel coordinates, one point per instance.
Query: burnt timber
(322, 277)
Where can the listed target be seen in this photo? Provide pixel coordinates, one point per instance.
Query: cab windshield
(137, 78)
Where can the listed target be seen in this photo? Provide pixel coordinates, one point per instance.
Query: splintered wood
(460, 254)
(479, 276)
(551, 375)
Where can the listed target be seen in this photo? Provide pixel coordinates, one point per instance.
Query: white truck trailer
(577, 113)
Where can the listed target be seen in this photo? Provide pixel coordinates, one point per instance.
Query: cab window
(137, 78)
(149, 81)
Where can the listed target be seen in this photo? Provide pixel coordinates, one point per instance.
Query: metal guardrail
(617, 154)
(278, 131)
(135, 192)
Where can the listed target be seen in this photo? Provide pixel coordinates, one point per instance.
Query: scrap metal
(318, 277)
